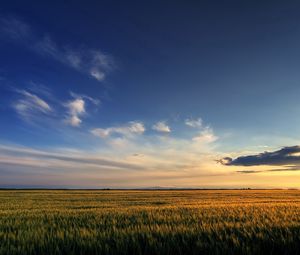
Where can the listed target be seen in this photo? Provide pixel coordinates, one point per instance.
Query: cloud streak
(31, 157)
(92, 62)
(287, 168)
(31, 105)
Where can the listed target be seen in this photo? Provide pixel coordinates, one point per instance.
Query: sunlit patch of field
(150, 222)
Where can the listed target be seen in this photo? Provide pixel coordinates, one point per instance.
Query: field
(150, 222)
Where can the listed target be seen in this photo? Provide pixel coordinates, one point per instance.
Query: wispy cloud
(30, 105)
(37, 104)
(195, 123)
(206, 135)
(40, 89)
(95, 63)
(162, 127)
(93, 100)
(132, 128)
(100, 64)
(15, 28)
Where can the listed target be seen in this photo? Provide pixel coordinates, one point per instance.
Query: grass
(150, 222)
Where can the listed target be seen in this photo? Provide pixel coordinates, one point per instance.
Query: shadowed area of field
(150, 222)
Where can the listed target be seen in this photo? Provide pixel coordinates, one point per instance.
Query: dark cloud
(283, 157)
(249, 171)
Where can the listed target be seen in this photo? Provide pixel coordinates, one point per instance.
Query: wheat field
(149, 222)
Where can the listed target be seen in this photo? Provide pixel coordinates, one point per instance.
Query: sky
(142, 94)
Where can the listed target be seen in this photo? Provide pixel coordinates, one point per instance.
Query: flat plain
(149, 222)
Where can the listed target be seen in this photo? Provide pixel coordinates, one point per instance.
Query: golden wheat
(150, 222)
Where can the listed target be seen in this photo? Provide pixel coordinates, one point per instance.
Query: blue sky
(142, 94)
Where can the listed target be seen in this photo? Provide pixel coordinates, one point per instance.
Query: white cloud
(92, 62)
(73, 120)
(161, 126)
(76, 108)
(101, 132)
(129, 130)
(30, 105)
(100, 64)
(195, 123)
(205, 136)
(97, 74)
